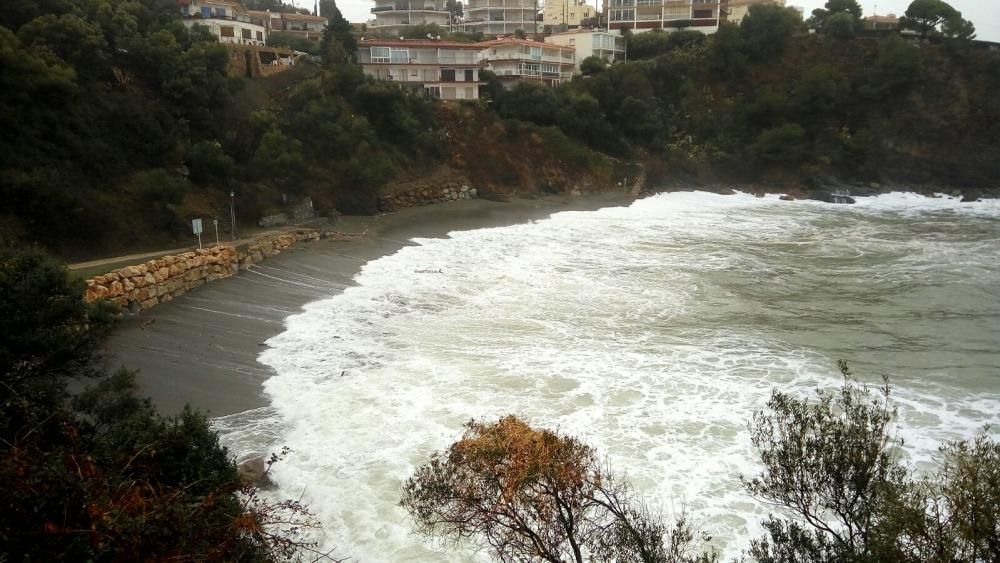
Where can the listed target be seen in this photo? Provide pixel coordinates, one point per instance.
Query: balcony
(228, 18)
(408, 7)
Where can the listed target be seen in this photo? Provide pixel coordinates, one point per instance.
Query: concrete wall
(146, 285)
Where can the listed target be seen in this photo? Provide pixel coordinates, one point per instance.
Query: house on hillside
(733, 11)
(881, 23)
(310, 27)
(566, 14)
(609, 46)
(644, 15)
(442, 69)
(228, 21)
(518, 60)
(392, 16)
(500, 17)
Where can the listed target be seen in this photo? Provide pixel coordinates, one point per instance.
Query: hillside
(117, 131)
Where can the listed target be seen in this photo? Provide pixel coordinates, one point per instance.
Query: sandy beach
(202, 348)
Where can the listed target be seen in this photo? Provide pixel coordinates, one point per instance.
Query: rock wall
(426, 195)
(146, 285)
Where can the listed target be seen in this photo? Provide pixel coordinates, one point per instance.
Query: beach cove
(201, 349)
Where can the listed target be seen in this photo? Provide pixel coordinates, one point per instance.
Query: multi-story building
(644, 15)
(311, 27)
(228, 21)
(391, 16)
(500, 17)
(518, 60)
(610, 46)
(443, 69)
(568, 13)
(734, 11)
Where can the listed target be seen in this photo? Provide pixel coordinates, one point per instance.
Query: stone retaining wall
(426, 195)
(145, 285)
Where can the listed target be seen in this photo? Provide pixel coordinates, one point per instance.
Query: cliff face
(483, 156)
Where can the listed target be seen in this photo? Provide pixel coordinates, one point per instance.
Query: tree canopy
(535, 495)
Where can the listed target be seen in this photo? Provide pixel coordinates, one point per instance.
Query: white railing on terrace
(525, 57)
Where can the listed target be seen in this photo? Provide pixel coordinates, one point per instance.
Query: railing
(528, 58)
(407, 8)
(241, 19)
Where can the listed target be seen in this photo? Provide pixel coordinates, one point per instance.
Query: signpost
(196, 227)
(216, 223)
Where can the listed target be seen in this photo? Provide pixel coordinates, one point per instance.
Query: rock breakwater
(426, 195)
(150, 283)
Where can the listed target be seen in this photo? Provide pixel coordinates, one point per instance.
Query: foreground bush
(101, 476)
(834, 464)
(831, 466)
(532, 495)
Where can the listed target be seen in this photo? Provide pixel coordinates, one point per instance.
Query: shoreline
(201, 349)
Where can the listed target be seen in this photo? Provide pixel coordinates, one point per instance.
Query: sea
(652, 332)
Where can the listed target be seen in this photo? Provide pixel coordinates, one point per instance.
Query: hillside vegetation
(766, 102)
(120, 124)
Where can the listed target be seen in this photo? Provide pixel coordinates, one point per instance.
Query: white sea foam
(652, 332)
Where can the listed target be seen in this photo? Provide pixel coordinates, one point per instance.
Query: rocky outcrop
(426, 195)
(146, 285)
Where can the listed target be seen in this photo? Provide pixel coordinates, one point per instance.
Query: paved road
(144, 256)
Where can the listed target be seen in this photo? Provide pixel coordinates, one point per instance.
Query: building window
(260, 36)
(206, 12)
(227, 31)
(246, 33)
(397, 55)
(447, 75)
(470, 75)
(220, 12)
(703, 14)
(380, 54)
(469, 93)
(572, 42)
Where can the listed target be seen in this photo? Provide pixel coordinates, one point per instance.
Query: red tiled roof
(417, 43)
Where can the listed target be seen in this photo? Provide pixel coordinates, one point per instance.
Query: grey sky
(984, 13)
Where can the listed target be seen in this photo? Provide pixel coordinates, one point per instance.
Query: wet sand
(201, 349)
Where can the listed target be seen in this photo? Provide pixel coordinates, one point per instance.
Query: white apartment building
(228, 21)
(518, 60)
(500, 17)
(644, 15)
(610, 46)
(442, 69)
(734, 11)
(393, 15)
(567, 12)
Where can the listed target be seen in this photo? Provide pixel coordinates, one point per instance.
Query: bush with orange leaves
(533, 495)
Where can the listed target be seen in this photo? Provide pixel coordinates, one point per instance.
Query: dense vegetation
(122, 123)
(118, 121)
(100, 475)
(832, 467)
(767, 102)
